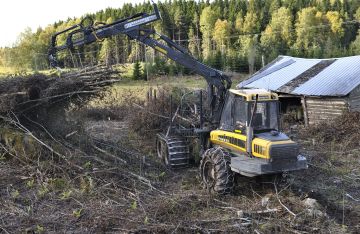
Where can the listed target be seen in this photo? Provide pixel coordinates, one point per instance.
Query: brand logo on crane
(140, 21)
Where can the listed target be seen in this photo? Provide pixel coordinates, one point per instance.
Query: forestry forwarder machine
(241, 134)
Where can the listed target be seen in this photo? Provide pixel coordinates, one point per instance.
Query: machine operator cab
(249, 130)
(237, 112)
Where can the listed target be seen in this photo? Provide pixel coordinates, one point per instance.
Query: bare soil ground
(156, 200)
(333, 152)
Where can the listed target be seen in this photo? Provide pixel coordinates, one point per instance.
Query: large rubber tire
(215, 171)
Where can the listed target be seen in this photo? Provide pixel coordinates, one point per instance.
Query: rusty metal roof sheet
(311, 77)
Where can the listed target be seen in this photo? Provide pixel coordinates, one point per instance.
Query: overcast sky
(16, 15)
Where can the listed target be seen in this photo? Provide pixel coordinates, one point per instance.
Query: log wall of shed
(354, 99)
(324, 109)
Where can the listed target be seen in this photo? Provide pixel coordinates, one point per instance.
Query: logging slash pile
(343, 130)
(22, 94)
(180, 106)
(55, 174)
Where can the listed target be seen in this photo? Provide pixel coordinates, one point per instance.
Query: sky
(16, 15)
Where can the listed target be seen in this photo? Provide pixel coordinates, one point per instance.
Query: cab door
(232, 130)
(227, 120)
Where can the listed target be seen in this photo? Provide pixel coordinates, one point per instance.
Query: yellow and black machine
(239, 134)
(248, 141)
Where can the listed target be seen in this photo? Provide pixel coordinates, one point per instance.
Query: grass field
(9, 71)
(4, 71)
(139, 88)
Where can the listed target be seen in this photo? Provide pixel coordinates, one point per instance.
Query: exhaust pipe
(249, 137)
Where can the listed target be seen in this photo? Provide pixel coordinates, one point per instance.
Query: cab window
(240, 113)
(226, 122)
(265, 116)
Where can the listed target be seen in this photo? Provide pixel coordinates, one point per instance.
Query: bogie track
(173, 151)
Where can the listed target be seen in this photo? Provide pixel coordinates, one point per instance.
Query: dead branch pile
(344, 129)
(174, 105)
(72, 175)
(80, 170)
(23, 94)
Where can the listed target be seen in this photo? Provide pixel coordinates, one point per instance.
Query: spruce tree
(137, 72)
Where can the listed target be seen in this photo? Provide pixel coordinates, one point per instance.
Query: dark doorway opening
(291, 110)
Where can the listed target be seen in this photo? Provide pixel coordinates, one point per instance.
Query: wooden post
(306, 118)
(150, 93)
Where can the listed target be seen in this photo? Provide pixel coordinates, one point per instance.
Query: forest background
(231, 35)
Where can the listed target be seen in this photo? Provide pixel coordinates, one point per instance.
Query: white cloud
(16, 15)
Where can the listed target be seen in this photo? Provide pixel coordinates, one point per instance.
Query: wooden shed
(322, 89)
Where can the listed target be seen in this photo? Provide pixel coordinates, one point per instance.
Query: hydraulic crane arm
(79, 35)
(88, 32)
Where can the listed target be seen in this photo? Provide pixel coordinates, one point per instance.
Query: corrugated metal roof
(338, 78)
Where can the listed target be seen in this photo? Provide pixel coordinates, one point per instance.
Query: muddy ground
(127, 190)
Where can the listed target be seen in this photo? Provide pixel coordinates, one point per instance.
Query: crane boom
(81, 34)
